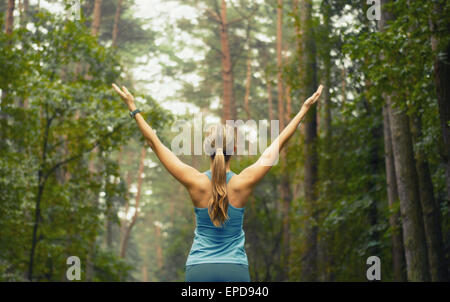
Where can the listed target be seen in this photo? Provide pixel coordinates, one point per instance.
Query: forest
(366, 174)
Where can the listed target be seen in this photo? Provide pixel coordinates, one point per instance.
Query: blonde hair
(221, 141)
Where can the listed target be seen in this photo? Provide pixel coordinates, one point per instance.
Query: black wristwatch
(133, 113)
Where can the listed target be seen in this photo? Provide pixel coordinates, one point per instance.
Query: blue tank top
(218, 244)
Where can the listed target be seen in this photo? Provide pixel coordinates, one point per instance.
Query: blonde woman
(219, 196)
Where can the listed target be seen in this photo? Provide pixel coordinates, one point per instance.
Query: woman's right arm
(184, 173)
(251, 175)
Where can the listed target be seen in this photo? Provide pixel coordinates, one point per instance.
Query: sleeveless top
(223, 244)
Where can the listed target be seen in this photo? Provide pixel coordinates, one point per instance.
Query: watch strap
(134, 112)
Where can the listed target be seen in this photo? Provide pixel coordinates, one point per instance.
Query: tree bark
(228, 102)
(442, 80)
(9, 27)
(430, 211)
(269, 98)
(95, 26)
(310, 148)
(96, 17)
(123, 227)
(398, 256)
(288, 103)
(159, 255)
(286, 194)
(110, 210)
(248, 80)
(280, 63)
(407, 184)
(115, 32)
(126, 237)
(410, 207)
(9, 22)
(325, 242)
(326, 103)
(42, 179)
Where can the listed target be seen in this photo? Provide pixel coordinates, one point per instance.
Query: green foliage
(69, 152)
(58, 108)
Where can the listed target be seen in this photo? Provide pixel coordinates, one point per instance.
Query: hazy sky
(159, 14)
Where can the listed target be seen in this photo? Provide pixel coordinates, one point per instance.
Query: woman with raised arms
(218, 195)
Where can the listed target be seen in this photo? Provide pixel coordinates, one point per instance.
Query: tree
(280, 63)
(430, 209)
(116, 23)
(441, 47)
(96, 17)
(398, 256)
(127, 233)
(309, 270)
(9, 24)
(407, 184)
(228, 102)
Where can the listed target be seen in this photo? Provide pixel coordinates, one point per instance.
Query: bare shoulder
(201, 182)
(200, 188)
(239, 190)
(240, 182)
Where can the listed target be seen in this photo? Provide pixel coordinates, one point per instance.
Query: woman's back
(223, 244)
(219, 238)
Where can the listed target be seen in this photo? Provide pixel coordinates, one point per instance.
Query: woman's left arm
(184, 173)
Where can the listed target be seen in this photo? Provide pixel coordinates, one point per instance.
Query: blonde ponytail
(218, 205)
(220, 144)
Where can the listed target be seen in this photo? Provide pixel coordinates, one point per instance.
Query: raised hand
(312, 99)
(126, 96)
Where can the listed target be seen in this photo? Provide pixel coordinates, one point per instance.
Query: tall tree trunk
(324, 115)
(288, 103)
(286, 194)
(9, 26)
(41, 178)
(96, 17)
(228, 102)
(407, 184)
(398, 256)
(430, 211)
(115, 32)
(280, 63)
(24, 11)
(442, 80)
(110, 210)
(310, 148)
(159, 255)
(287, 90)
(126, 237)
(94, 168)
(269, 99)
(410, 207)
(123, 226)
(9, 22)
(326, 103)
(248, 80)
(95, 26)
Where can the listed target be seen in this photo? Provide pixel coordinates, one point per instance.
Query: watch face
(133, 113)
